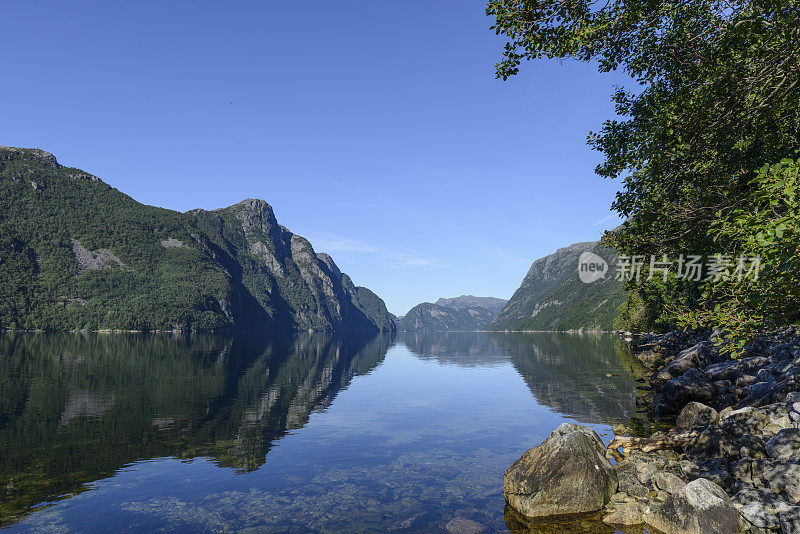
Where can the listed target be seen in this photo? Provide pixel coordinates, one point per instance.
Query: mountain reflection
(567, 372)
(76, 408)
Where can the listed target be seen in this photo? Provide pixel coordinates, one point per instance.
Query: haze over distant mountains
(463, 302)
(551, 298)
(460, 314)
(76, 254)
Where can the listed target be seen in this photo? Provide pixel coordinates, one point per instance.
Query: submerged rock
(462, 525)
(567, 473)
(700, 507)
(627, 514)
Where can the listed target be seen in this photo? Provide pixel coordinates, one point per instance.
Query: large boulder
(744, 421)
(700, 507)
(696, 415)
(568, 473)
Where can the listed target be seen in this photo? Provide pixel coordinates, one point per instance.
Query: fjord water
(302, 433)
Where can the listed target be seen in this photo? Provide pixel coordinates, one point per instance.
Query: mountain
(76, 254)
(492, 304)
(464, 313)
(553, 297)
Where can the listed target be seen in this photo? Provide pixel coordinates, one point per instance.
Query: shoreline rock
(568, 473)
(744, 434)
(732, 464)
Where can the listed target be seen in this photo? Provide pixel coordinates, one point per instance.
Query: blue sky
(375, 129)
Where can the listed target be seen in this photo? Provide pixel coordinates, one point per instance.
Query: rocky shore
(729, 463)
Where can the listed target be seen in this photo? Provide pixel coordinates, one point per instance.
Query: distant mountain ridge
(552, 296)
(492, 304)
(466, 313)
(76, 254)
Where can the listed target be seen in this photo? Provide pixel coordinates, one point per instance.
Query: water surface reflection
(297, 433)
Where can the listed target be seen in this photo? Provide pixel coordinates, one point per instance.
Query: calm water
(311, 433)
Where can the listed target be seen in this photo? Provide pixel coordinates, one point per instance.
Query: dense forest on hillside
(552, 296)
(76, 254)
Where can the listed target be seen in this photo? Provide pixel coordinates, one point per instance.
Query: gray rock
(659, 496)
(765, 376)
(462, 525)
(745, 380)
(668, 482)
(742, 470)
(732, 369)
(722, 387)
(627, 477)
(725, 370)
(749, 494)
(781, 475)
(567, 473)
(776, 410)
(765, 392)
(697, 415)
(759, 467)
(645, 471)
(757, 515)
(638, 491)
(790, 521)
(725, 412)
(752, 447)
(692, 385)
(701, 507)
(744, 421)
(777, 424)
(627, 514)
(699, 355)
(714, 442)
(720, 477)
(754, 363)
(792, 493)
(689, 468)
(784, 444)
(759, 393)
(649, 357)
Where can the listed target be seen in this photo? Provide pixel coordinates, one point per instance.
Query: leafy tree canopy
(717, 97)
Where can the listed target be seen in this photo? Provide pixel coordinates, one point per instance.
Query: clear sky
(375, 129)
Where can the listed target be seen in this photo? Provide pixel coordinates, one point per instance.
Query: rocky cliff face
(552, 296)
(140, 267)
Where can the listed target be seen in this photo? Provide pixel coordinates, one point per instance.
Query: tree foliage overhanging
(716, 96)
